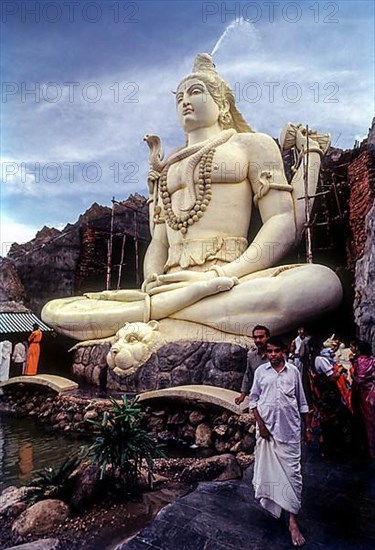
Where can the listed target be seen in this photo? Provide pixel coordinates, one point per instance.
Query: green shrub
(53, 483)
(122, 444)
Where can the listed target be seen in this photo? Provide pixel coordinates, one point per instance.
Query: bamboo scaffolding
(121, 261)
(110, 246)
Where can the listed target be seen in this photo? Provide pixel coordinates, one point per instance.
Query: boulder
(155, 423)
(91, 415)
(165, 380)
(180, 376)
(173, 364)
(17, 509)
(237, 447)
(41, 518)
(95, 375)
(188, 433)
(221, 430)
(229, 357)
(230, 467)
(214, 468)
(60, 417)
(177, 418)
(145, 481)
(86, 487)
(220, 446)
(248, 444)
(203, 435)
(196, 417)
(86, 356)
(11, 496)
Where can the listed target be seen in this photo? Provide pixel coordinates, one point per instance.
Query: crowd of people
(338, 383)
(330, 387)
(23, 358)
(315, 384)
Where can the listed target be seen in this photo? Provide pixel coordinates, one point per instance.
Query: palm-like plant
(122, 443)
(53, 483)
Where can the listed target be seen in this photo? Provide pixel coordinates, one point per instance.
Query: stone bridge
(55, 383)
(198, 394)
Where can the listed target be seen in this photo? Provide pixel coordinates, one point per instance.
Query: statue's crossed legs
(279, 298)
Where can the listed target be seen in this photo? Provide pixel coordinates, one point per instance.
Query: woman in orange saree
(34, 351)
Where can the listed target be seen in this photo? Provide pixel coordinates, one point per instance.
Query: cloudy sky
(84, 81)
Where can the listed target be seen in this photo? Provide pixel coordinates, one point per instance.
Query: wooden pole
(309, 255)
(138, 281)
(121, 261)
(110, 246)
(337, 198)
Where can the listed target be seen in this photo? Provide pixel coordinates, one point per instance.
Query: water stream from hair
(240, 31)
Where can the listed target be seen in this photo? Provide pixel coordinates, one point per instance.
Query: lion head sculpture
(132, 346)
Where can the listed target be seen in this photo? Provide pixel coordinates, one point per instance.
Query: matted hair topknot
(204, 63)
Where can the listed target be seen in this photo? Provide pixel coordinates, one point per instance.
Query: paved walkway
(338, 513)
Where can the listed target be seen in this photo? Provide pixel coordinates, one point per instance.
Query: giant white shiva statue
(200, 271)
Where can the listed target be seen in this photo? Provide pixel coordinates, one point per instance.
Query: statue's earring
(225, 119)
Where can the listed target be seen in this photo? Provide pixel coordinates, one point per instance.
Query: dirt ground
(106, 524)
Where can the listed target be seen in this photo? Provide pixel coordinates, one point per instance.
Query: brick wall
(361, 176)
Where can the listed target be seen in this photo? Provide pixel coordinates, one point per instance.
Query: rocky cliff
(72, 261)
(11, 288)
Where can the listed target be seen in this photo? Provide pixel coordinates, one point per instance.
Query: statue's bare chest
(229, 165)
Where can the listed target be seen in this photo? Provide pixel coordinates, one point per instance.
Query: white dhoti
(277, 476)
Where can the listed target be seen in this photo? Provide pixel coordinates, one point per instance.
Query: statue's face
(196, 107)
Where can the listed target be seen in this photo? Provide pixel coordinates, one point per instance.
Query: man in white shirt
(5, 353)
(278, 401)
(19, 359)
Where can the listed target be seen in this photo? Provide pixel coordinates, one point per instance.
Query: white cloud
(109, 132)
(13, 231)
(279, 78)
(19, 177)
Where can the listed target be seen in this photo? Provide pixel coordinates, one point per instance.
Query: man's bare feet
(297, 538)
